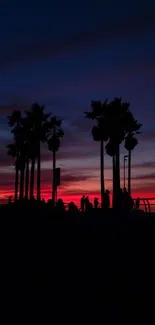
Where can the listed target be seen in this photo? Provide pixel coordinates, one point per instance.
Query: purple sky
(67, 54)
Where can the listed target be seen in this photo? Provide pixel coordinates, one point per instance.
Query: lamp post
(125, 158)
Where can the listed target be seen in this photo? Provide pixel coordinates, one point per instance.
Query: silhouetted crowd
(87, 205)
(124, 203)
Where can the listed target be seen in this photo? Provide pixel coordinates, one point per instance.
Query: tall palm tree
(21, 167)
(20, 136)
(132, 129)
(27, 176)
(116, 117)
(32, 155)
(54, 134)
(14, 122)
(99, 133)
(14, 119)
(37, 120)
(13, 152)
(28, 144)
(111, 149)
(29, 152)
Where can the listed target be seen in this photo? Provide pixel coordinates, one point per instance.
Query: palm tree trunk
(53, 188)
(16, 182)
(102, 172)
(32, 179)
(114, 180)
(117, 178)
(118, 170)
(16, 176)
(27, 179)
(38, 173)
(129, 172)
(21, 184)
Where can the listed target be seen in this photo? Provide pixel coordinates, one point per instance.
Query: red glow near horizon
(75, 197)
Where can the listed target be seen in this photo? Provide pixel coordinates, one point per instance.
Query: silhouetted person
(82, 203)
(137, 203)
(96, 203)
(87, 203)
(72, 208)
(90, 205)
(60, 205)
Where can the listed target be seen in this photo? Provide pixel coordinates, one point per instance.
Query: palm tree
(13, 152)
(20, 134)
(99, 133)
(14, 119)
(21, 167)
(54, 134)
(116, 117)
(29, 148)
(132, 128)
(27, 176)
(111, 149)
(37, 122)
(14, 122)
(32, 156)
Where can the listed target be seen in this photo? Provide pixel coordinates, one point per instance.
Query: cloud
(129, 26)
(6, 110)
(143, 177)
(76, 182)
(144, 165)
(148, 136)
(71, 176)
(67, 178)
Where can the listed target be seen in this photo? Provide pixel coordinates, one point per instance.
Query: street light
(125, 159)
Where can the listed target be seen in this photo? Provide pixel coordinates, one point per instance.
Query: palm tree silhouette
(37, 121)
(13, 151)
(27, 174)
(20, 136)
(21, 167)
(121, 126)
(111, 148)
(117, 112)
(14, 122)
(54, 134)
(30, 153)
(132, 127)
(32, 156)
(100, 133)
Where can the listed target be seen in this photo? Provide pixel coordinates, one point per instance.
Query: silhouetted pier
(147, 204)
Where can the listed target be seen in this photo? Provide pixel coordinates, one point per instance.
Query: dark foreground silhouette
(73, 268)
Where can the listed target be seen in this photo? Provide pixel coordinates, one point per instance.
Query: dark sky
(65, 54)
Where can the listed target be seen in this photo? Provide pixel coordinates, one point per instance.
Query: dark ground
(92, 270)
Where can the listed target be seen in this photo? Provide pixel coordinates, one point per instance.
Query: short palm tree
(54, 135)
(99, 133)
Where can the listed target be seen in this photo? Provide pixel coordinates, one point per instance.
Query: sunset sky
(63, 54)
